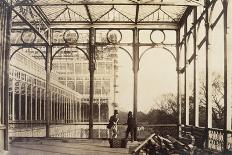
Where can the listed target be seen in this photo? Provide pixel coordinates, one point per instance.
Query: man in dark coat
(130, 126)
(113, 123)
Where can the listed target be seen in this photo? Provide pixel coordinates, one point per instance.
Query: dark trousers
(131, 131)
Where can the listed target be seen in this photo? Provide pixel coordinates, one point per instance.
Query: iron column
(91, 78)
(135, 70)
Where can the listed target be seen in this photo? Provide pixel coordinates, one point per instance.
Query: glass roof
(101, 11)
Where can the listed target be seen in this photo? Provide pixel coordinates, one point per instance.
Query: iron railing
(211, 138)
(81, 130)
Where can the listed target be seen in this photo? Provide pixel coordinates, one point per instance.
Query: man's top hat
(115, 112)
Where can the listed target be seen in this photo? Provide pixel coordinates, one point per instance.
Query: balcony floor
(66, 147)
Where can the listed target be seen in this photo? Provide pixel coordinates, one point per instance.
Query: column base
(2, 128)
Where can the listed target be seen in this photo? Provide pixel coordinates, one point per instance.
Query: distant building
(70, 71)
(71, 67)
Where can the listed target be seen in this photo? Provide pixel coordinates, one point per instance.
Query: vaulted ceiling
(101, 11)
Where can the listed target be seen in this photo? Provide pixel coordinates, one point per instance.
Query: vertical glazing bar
(51, 106)
(83, 112)
(69, 109)
(68, 112)
(31, 102)
(76, 112)
(13, 99)
(61, 108)
(57, 107)
(20, 100)
(25, 111)
(66, 109)
(79, 112)
(68, 104)
(44, 105)
(99, 110)
(40, 103)
(36, 102)
(135, 71)
(65, 118)
(73, 110)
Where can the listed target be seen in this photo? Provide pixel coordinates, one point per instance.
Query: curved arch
(28, 47)
(86, 54)
(96, 112)
(168, 50)
(104, 112)
(126, 52)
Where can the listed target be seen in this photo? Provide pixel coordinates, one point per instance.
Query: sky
(156, 76)
(157, 73)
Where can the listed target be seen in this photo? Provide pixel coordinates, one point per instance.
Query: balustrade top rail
(81, 129)
(87, 123)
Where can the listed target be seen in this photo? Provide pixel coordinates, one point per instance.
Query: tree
(166, 113)
(167, 105)
(165, 110)
(141, 117)
(217, 87)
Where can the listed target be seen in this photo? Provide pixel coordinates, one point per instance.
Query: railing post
(91, 71)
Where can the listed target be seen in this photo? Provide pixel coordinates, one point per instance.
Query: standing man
(130, 126)
(113, 124)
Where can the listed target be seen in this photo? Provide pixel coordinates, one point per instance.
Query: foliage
(165, 108)
(217, 99)
(166, 113)
(141, 117)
